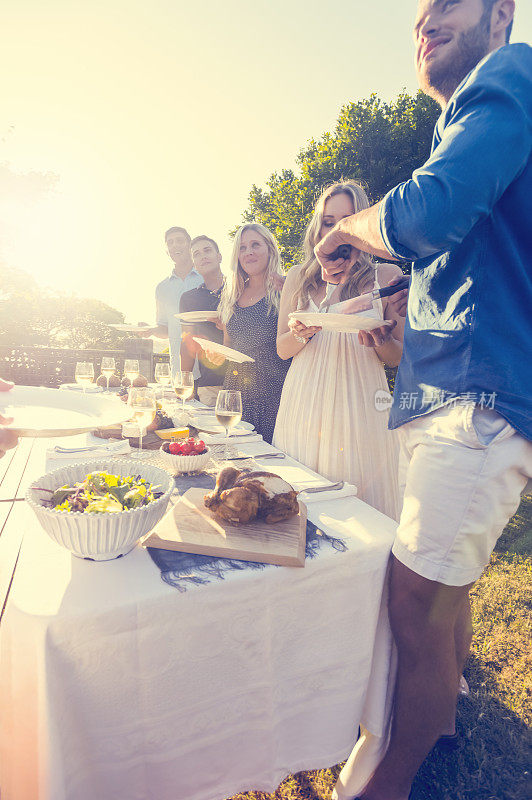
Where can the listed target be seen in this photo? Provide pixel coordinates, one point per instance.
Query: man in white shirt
(168, 292)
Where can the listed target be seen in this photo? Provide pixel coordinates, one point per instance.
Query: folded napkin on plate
(347, 490)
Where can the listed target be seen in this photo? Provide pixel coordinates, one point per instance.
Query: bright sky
(165, 113)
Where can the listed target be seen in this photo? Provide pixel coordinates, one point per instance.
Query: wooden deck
(18, 469)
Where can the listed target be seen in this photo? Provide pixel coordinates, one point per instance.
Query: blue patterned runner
(183, 569)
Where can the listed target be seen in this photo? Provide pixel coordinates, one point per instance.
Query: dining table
(118, 684)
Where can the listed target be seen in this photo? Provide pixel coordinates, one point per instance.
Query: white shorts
(462, 469)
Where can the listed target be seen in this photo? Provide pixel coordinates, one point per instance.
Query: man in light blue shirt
(168, 292)
(463, 394)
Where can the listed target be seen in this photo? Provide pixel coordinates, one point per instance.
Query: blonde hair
(310, 273)
(236, 279)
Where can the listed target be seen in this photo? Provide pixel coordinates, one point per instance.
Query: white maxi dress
(328, 419)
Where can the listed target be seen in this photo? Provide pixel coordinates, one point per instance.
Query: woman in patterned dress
(249, 309)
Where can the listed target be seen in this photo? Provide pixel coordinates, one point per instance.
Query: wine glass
(163, 376)
(84, 373)
(143, 405)
(131, 369)
(228, 412)
(184, 386)
(108, 368)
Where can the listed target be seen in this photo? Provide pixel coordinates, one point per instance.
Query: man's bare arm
(187, 357)
(160, 331)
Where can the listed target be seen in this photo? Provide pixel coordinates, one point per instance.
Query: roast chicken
(240, 496)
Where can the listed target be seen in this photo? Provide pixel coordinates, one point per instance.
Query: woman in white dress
(328, 417)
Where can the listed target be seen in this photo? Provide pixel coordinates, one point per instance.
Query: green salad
(103, 492)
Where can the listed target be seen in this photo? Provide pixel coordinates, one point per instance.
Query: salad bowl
(107, 534)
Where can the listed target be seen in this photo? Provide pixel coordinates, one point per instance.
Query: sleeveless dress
(327, 417)
(254, 332)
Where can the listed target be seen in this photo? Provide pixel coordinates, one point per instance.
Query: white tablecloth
(116, 686)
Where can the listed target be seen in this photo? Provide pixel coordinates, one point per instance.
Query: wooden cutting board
(189, 527)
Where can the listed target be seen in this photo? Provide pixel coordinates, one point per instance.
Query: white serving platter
(40, 412)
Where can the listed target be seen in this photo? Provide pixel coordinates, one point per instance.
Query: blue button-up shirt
(167, 296)
(465, 219)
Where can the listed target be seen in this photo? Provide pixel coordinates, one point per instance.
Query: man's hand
(7, 437)
(334, 271)
(399, 301)
(378, 336)
(216, 359)
(147, 332)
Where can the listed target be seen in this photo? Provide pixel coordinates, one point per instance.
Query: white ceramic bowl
(99, 537)
(186, 463)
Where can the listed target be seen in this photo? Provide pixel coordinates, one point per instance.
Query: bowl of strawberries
(188, 455)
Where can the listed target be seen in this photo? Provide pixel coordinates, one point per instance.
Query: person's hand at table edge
(7, 437)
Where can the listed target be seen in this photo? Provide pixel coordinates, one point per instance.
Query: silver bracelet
(300, 339)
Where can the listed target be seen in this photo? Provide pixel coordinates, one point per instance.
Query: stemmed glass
(163, 376)
(184, 386)
(84, 373)
(108, 368)
(131, 369)
(143, 405)
(228, 412)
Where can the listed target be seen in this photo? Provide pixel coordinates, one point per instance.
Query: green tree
(30, 315)
(377, 143)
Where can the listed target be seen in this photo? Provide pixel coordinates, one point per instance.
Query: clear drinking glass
(163, 376)
(228, 412)
(184, 386)
(143, 405)
(131, 369)
(108, 368)
(84, 373)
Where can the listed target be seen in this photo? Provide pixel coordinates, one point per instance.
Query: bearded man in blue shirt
(463, 393)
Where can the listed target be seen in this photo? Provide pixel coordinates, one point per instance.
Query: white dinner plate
(197, 316)
(125, 327)
(211, 424)
(41, 412)
(75, 387)
(341, 323)
(221, 349)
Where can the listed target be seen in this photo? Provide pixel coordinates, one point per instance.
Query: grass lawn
(494, 761)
